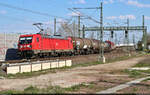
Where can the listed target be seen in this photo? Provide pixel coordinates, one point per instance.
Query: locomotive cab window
(25, 40)
(37, 39)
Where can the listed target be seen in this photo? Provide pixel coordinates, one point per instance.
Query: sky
(17, 16)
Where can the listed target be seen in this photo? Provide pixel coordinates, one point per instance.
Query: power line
(28, 10)
(79, 13)
(89, 17)
(88, 8)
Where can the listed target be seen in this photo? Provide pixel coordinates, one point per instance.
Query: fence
(37, 66)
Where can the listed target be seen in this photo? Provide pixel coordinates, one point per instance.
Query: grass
(123, 58)
(143, 63)
(75, 87)
(10, 92)
(50, 89)
(31, 89)
(133, 73)
(117, 59)
(35, 90)
(136, 73)
(86, 64)
(135, 89)
(139, 73)
(146, 80)
(90, 85)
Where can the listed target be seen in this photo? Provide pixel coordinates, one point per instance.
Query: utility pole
(134, 40)
(127, 39)
(83, 30)
(79, 25)
(54, 26)
(97, 35)
(74, 28)
(144, 44)
(127, 31)
(116, 38)
(101, 57)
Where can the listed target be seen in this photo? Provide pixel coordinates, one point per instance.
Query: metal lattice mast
(116, 42)
(144, 36)
(74, 29)
(101, 57)
(83, 31)
(127, 34)
(134, 40)
(79, 26)
(54, 26)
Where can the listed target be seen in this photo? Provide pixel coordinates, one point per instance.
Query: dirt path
(69, 77)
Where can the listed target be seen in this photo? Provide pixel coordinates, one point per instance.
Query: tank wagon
(44, 45)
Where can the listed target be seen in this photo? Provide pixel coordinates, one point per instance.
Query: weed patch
(133, 73)
(143, 63)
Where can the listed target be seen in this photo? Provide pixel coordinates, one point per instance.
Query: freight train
(40, 45)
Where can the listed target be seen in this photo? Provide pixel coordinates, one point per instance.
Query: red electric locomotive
(42, 45)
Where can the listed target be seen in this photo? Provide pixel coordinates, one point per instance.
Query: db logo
(56, 44)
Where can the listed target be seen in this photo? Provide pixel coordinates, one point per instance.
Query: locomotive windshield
(25, 40)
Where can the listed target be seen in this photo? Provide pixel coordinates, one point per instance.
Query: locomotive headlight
(29, 46)
(21, 46)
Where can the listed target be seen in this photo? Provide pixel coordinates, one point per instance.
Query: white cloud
(147, 17)
(122, 17)
(128, 2)
(3, 12)
(111, 17)
(60, 20)
(108, 1)
(138, 4)
(80, 2)
(127, 17)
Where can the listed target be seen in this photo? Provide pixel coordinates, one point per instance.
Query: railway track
(54, 58)
(44, 59)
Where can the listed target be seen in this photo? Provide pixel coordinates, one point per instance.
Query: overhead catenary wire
(81, 14)
(88, 8)
(89, 17)
(29, 10)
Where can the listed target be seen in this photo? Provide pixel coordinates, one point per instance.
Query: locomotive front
(25, 46)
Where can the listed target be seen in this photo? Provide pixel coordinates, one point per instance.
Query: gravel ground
(72, 77)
